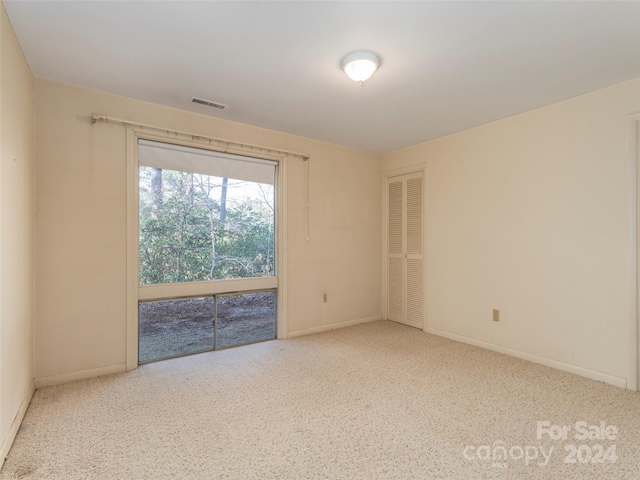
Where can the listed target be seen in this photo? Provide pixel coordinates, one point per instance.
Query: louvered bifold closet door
(415, 287)
(405, 285)
(396, 241)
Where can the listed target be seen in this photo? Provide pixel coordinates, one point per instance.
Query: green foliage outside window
(195, 227)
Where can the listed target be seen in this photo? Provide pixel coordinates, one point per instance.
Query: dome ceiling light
(360, 65)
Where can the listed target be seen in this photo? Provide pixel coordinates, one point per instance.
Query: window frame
(137, 293)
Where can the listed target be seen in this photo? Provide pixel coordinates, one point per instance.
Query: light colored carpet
(375, 401)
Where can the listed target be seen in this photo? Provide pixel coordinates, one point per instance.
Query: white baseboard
(565, 367)
(17, 421)
(333, 326)
(80, 375)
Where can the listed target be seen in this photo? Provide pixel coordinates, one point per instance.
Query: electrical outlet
(324, 298)
(496, 315)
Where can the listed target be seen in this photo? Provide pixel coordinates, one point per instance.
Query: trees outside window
(196, 227)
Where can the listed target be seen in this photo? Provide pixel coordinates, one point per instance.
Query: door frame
(386, 174)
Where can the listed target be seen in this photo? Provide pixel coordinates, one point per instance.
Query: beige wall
(531, 215)
(16, 227)
(81, 216)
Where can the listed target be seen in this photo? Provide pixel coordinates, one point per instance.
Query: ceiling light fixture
(360, 65)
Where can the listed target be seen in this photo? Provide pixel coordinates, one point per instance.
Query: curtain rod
(103, 118)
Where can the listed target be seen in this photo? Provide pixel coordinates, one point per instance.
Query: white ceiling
(446, 66)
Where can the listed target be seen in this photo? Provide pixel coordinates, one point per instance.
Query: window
(204, 217)
(171, 328)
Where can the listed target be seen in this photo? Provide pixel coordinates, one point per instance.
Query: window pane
(245, 318)
(197, 227)
(175, 327)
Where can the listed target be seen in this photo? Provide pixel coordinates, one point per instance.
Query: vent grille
(207, 103)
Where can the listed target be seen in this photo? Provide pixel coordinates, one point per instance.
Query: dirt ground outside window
(180, 327)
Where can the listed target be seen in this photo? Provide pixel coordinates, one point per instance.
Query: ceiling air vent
(207, 103)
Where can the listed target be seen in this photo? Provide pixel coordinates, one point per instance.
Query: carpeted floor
(374, 401)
